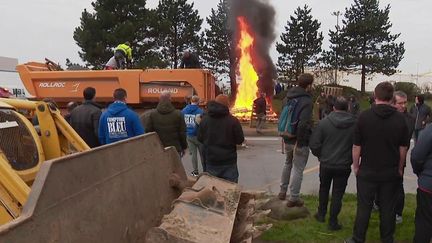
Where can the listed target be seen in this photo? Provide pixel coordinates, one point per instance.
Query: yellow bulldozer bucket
(130, 191)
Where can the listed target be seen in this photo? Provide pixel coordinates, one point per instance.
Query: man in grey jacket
(331, 142)
(421, 161)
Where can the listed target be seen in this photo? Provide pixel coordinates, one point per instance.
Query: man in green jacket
(168, 123)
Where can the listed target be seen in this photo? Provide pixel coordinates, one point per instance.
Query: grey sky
(32, 30)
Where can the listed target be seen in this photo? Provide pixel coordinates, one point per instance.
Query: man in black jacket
(70, 107)
(422, 114)
(84, 119)
(353, 106)
(260, 106)
(400, 101)
(189, 60)
(296, 149)
(220, 133)
(331, 142)
(381, 141)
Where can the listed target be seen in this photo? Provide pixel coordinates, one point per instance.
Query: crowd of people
(373, 143)
(326, 103)
(212, 135)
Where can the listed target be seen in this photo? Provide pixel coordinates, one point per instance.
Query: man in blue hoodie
(190, 113)
(119, 122)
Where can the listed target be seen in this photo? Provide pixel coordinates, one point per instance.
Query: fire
(248, 87)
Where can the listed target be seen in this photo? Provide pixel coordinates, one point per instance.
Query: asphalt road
(261, 162)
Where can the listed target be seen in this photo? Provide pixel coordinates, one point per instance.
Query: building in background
(9, 78)
(354, 79)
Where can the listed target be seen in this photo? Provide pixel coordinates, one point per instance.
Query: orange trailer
(142, 86)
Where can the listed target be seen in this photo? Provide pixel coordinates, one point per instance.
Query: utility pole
(417, 74)
(337, 14)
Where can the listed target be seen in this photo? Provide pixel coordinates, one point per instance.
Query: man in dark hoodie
(422, 114)
(220, 133)
(84, 119)
(400, 101)
(296, 148)
(381, 141)
(119, 122)
(190, 113)
(421, 161)
(331, 142)
(353, 106)
(190, 60)
(168, 123)
(322, 105)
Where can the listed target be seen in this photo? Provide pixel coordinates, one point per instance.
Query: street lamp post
(337, 14)
(417, 78)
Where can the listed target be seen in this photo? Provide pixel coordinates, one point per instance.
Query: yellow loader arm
(23, 149)
(134, 190)
(13, 192)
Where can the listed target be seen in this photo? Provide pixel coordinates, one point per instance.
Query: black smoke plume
(260, 16)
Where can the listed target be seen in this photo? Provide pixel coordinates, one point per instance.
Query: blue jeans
(295, 164)
(120, 58)
(227, 172)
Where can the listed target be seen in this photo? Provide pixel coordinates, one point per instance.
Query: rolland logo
(52, 85)
(160, 90)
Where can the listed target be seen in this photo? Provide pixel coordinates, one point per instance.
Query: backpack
(289, 119)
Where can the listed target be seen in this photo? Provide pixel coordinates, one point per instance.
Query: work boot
(319, 217)
(282, 195)
(297, 203)
(334, 226)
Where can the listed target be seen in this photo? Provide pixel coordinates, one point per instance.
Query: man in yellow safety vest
(122, 57)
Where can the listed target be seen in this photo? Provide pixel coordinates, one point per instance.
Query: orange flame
(248, 87)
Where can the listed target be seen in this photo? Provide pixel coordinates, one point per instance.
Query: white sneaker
(398, 219)
(375, 207)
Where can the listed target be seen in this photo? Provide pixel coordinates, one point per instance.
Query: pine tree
(115, 22)
(217, 53)
(179, 25)
(364, 42)
(301, 43)
(74, 66)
